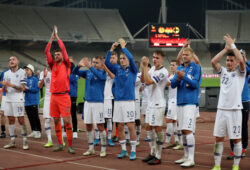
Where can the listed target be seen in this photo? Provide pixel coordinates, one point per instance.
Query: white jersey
(156, 90)
(47, 81)
(17, 78)
(172, 93)
(231, 86)
(137, 87)
(144, 94)
(108, 88)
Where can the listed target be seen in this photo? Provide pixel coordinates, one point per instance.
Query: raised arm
(147, 79)
(47, 50)
(107, 62)
(129, 55)
(230, 42)
(62, 47)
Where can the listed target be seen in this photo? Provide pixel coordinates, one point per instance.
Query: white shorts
(15, 109)
(3, 103)
(147, 115)
(137, 111)
(197, 111)
(124, 111)
(186, 117)
(156, 116)
(46, 107)
(144, 106)
(93, 113)
(107, 108)
(228, 121)
(172, 110)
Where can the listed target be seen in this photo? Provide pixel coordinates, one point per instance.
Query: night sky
(137, 13)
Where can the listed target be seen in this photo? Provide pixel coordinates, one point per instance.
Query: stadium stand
(232, 22)
(77, 25)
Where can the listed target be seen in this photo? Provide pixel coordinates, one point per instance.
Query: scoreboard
(168, 35)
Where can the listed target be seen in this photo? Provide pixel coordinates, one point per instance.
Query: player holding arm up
(156, 78)
(124, 96)
(94, 98)
(60, 103)
(229, 118)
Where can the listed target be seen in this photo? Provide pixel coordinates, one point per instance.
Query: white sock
(191, 146)
(48, 129)
(109, 128)
(152, 142)
(12, 129)
(148, 134)
(180, 137)
(24, 131)
(176, 139)
(123, 145)
(237, 153)
(103, 140)
(90, 138)
(160, 140)
(133, 146)
(184, 139)
(169, 132)
(126, 131)
(138, 133)
(218, 150)
(97, 133)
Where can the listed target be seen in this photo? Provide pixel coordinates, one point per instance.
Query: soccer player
(94, 97)
(60, 100)
(124, 96)
(138, 85)
(3, 98)
(171, 117)
(245, 111)
(32, 101)
(229, 117)
(45, 80)
(156, 78)
(14, 84)
(108, 97)
(187, 81)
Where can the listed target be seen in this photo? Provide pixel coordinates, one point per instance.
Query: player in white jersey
(138, 85)
(14, 84)
(171, 117)
(108, 97)
(229, 117)
(157, 78)
(44, 80)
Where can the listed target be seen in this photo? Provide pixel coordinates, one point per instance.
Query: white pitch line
(45, 157)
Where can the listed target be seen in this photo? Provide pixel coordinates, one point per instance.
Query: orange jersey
(60, 73)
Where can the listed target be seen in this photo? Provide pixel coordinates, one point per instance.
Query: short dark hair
(159, 52)
(58, 50)
(230, 53)
(98, 57)
(173, 61)
(114, 53)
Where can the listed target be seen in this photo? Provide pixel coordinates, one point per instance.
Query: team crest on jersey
(161, 75)
(233, 75)
(17, 75)
(190, 69)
